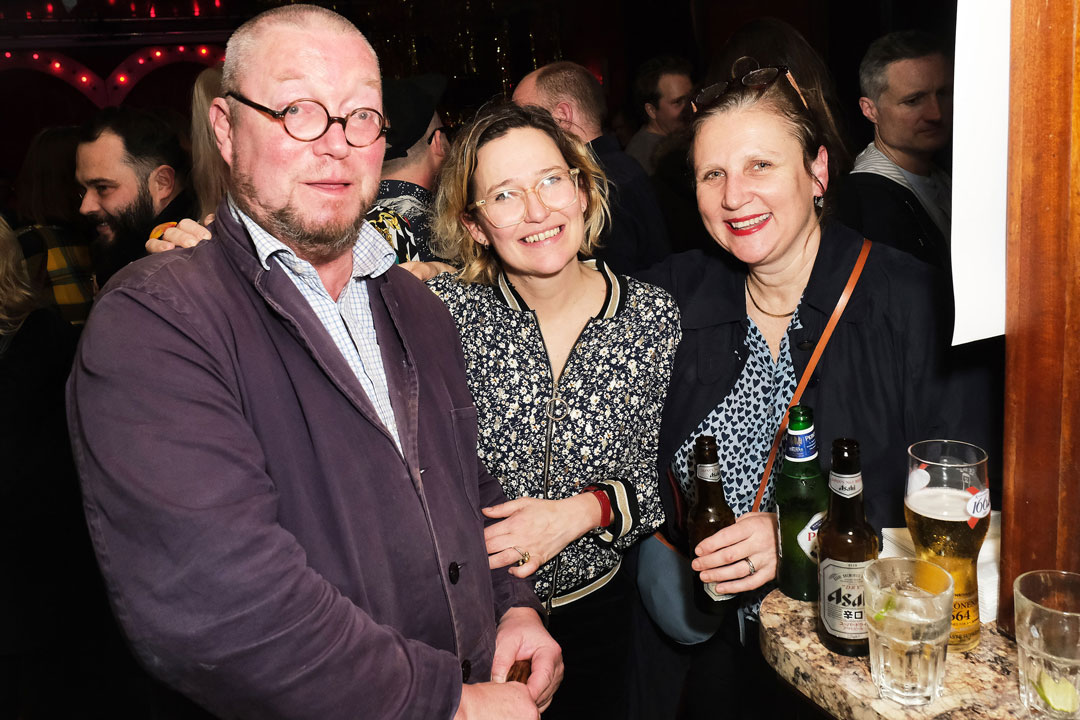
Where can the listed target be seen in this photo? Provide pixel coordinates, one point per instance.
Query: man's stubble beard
(314, 244)
(131, 228)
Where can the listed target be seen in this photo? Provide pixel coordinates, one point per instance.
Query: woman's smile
(749, 224)
(543, 235)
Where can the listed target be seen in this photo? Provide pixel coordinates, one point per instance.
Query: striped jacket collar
(613, 300)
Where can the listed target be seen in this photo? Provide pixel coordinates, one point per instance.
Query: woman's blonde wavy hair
(452, 239)
(17, 299)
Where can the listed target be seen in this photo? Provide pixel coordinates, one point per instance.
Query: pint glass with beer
(947, 508)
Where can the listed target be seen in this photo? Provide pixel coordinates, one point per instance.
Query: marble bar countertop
(982, 683)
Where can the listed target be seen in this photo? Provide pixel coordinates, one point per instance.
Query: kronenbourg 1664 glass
(947, 508)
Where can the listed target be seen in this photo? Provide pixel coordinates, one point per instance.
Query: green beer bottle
(801, 498)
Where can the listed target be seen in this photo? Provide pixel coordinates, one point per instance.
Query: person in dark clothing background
(61, 651)
(895, 193)
(54, 238)
(133, 172)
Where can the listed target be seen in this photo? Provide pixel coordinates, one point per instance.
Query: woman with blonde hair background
(209, 173)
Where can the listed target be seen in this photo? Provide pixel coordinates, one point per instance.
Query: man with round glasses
(275, 437)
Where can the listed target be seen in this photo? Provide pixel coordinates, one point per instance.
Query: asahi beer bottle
(846, 545)
(801, 496)
(709, 514)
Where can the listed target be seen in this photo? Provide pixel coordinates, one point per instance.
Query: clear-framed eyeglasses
(308, 120)
(506, 207)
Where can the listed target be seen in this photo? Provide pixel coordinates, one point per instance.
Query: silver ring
(524, 555)
(751, 564)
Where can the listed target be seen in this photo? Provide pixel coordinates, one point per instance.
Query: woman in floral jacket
(569, 364)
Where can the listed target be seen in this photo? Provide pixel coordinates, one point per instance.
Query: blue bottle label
(801, 445)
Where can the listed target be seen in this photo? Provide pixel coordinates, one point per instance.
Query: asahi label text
(841, 599)
(846, 486)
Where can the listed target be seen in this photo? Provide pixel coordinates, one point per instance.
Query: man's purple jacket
(266, 548)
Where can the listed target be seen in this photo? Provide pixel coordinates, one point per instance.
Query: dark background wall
(482, 46)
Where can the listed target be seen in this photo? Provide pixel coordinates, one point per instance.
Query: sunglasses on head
(760, 79)
(448, 131)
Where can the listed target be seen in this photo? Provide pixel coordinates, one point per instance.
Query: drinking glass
(947, 508)
(1047, 607)
(908, 614)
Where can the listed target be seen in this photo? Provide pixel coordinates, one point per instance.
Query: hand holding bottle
(721, 558)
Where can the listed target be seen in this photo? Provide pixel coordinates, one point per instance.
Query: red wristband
(605, 504)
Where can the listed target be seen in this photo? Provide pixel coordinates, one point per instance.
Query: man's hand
(427, 270)
(721, 557)
(186, 233)
(540, 527)
(497, 701)
(521, 636)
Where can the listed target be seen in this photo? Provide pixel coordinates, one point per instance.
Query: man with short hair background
(895, 193)
(898, 196)
(417, 149)
(662, 91)
(134, 172)
(637, 237)
(276, 441)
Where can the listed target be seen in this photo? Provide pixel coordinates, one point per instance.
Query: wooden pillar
(1041, 494)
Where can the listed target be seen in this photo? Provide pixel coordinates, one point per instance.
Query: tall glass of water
(909, 615)
(1047, 607)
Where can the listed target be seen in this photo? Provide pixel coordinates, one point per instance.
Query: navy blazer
(267, 548)
(879, 380)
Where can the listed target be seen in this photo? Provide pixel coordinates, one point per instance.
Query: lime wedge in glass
(1059, 695)
(890, 603)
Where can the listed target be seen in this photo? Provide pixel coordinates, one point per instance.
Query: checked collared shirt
(348, 320)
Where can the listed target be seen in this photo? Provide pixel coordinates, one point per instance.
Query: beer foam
(947, 504)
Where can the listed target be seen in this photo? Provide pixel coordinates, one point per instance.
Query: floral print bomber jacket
(597, 426)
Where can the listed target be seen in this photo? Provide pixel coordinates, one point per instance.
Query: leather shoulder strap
(841, 303)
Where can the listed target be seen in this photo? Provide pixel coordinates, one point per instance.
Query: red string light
(49, 8)
(84, 79)
(35, 56)
(7, 54)
(152, 13)
(195, 9)
(157, 53)
(122, 79)
(180, 48)
(203, 51)
(142, 61)
(56, 66)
